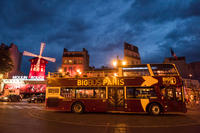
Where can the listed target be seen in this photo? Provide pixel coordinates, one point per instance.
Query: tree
(6, 63)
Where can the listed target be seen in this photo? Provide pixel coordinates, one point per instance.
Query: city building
(192, 90)
(194, 70)
(181, 65)
(16, 57)
(131, 54)
(75, 62)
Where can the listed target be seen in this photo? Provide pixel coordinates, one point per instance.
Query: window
(163, 69)
(79, 61)
(67, 92)
(140, 92)
(75, 62)
(170, 94)
(100, 92)
(178, 94)
(65, 69)
(65, 62)
(70, 69)
(139, 70)
(91, 92)
(70, 61)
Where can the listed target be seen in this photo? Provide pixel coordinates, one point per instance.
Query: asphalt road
(33, 118)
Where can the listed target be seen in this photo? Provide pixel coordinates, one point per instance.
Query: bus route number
(169, 80)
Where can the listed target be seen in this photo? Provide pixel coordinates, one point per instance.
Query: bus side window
(178, 94)
(130, 92)
(140, 92)
(67, 92)
(100, 92)
(162, 90)
(170, 93)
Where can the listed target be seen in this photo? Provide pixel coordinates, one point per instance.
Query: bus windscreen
(164, 70)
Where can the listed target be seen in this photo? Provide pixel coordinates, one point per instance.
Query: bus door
(174, 99)
(116, 98)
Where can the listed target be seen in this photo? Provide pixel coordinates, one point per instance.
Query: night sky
(101, 26)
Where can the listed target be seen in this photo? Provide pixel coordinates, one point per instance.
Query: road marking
(18, 107)
(22, 107)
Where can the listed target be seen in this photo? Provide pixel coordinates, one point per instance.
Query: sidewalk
(193, 107)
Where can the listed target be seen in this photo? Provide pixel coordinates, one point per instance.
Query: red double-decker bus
(152, 88)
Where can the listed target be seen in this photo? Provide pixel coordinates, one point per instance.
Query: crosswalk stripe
(18, 107)
(21, 107)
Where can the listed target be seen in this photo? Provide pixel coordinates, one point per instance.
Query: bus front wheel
(77, 107)
(154, 109)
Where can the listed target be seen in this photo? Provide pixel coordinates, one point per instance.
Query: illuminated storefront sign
(36, 78)
(100, 82)
(10, 81)
(27, 88)
(36, 84)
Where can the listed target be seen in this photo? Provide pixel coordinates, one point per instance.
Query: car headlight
(5, 98)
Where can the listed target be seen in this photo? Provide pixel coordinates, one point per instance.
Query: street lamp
(123, 63)
(119, 64)
(115, 74)
(60, 70)
(115, 63)
(190, 75)
(79, 71)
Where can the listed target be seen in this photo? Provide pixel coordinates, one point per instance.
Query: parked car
(4, 99)
(37, 99)
(11, 98)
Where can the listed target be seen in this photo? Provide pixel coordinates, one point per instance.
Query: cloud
(185, 38)
(101, 26)
(159, 11)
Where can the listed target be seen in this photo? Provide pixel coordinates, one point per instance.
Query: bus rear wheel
(154, 109)
(77, 108)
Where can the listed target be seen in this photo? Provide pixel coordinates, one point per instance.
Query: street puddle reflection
(120, 128)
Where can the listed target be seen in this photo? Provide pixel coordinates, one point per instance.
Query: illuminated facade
(16, 57)
(131, 54)
(75, 62)
(37, 73)
(23, 85)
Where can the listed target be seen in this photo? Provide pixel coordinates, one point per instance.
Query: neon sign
(36, 78)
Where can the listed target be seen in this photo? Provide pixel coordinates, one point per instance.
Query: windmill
(38, 64)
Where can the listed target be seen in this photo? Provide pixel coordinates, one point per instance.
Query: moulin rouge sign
(36, 78)
(21, 79)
